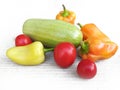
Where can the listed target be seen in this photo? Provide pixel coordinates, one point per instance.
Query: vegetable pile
(61, 36)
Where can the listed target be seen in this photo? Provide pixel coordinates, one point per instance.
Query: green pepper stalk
(84, 45)
(65, 12)
(48, 49)
(32, 54)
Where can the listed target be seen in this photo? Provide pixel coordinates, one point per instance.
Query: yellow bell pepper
(66, 15)
(32, 54)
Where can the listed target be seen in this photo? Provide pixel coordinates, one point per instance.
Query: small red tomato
(86, 69)
(22, 40)
(64, 54)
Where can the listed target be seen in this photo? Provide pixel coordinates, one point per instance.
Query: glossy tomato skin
(64, 54)
(22, 40)
(86, 69)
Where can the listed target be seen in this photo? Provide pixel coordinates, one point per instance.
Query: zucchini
(51, 32)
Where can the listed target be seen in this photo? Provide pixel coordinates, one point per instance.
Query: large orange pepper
(66, 15)
(96, 45)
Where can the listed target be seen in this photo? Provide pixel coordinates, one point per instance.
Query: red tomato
(86, 69)
(22, 40)
(64, 54)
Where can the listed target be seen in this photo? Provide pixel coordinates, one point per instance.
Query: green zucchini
(51, 32)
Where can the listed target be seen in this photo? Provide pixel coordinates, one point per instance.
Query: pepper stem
(65, 12)
(63, 7)
(48, 49)
(79, 25)
(84, 47)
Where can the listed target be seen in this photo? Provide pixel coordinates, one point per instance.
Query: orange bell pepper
(66, 15)
(96, 45)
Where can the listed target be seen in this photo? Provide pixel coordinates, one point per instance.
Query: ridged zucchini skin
(51, 32)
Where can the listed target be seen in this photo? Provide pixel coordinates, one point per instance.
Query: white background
(104, 13)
